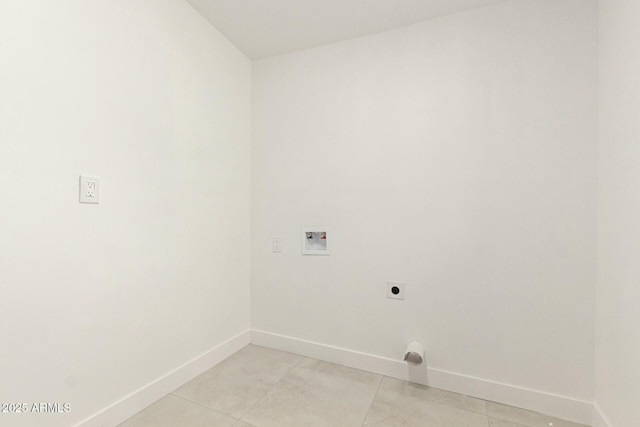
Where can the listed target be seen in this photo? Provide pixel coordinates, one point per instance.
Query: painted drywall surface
(457, 156)
(618, 318)
(99, 300)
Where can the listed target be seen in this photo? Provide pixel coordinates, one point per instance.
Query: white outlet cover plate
(391, 285)
(89, 189)
(276, 244)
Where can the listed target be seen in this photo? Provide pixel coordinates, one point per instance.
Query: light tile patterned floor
(261, 387)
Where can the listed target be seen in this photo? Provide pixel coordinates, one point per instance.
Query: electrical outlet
(395, 290)
(89, 189)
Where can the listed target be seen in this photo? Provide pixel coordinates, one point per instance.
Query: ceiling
(262, 28)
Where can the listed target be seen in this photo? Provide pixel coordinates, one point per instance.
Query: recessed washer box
(315, 241)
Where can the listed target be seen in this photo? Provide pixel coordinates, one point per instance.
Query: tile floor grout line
(283, 377)
(301, 359)
(486, 412)
(443, 402)
(440, 403)
(258, 401)
(292, 366)
(203, 406)
(372, 400)
(238, 421)
(267, 393)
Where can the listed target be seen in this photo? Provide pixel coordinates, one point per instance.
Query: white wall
(97, 301)
(618, 318)
(456, 155)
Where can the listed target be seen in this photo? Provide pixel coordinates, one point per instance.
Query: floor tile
(306, 398)
(171, 411)
(236, 384)
(341, 371)
(270, 353)
(494, 422)
(437, 395)
(272, 388)
(392, 409)
(527, 418)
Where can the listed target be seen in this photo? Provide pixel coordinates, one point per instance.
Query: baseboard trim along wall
(599, 419)
(145, 396)
(558, 406)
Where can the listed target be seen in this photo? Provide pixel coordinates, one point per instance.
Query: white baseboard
(558, 406)
(534, 400)
(145, 396)
(599, 419)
